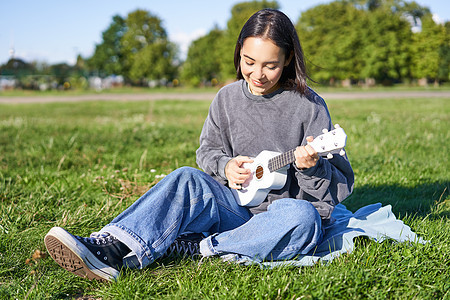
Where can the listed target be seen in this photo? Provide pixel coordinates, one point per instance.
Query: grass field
(189, 90)
(77, 165)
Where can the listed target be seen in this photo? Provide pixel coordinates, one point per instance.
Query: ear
(288, 61)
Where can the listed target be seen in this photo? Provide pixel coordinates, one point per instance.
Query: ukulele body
(261, 181)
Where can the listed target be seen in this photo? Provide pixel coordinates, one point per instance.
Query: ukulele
(269, 168)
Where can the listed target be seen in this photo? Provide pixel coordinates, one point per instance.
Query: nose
(258, 73)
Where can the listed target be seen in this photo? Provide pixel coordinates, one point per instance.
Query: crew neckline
(260, 98)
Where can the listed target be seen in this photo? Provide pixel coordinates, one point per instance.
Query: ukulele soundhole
(259, 172)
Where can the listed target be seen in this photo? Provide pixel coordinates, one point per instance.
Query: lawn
(77, 165)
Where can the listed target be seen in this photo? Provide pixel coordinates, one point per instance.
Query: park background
(77, 164)
(347, 43)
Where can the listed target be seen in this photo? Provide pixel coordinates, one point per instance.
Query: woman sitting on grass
(271, 108)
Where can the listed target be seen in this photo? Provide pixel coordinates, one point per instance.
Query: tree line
(383, 41)
(345, 41)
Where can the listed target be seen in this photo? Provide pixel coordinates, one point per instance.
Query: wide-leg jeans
(190, 201)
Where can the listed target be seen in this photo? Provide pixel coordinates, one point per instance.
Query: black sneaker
(93, 258)
(185, 245)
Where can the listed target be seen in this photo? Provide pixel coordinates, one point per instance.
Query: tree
(429, 47)
(108, 57)
(137, 48)
(411, 8)
(386, 52)
(360, 39)
(239, 15)
(142, 29)
(203, 60)
(154, 62)
(388, 32)
(17, 67)
(444, 53)
(61, 71)
(331, 38)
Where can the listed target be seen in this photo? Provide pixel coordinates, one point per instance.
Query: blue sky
(56, 31)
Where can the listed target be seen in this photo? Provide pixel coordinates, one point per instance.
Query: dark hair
(274, 25)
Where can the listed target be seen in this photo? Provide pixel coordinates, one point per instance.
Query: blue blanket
(373, 221)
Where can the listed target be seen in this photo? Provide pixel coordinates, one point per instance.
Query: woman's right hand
(236, 173)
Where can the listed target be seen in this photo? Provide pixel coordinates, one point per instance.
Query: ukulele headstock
(330, 141)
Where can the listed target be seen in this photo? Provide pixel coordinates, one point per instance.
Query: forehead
(260, 49)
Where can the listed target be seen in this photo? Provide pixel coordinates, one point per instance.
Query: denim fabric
(189, 200)
(288, 228)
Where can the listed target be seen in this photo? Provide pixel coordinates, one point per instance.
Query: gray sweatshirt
(240, 123)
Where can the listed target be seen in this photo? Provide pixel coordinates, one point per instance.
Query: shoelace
(98, 240)
(181, 247)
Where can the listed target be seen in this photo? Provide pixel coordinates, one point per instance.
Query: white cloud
(184, 39)
(437, 19)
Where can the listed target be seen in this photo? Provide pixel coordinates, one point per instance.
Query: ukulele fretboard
(281, 160)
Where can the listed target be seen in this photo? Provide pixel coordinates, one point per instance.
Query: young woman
(270, 107)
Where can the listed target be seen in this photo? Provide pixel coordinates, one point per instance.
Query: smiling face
(262, 64)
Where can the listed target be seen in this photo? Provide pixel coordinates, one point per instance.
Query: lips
(257, 83)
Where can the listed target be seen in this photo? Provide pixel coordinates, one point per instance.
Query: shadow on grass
(417, 201)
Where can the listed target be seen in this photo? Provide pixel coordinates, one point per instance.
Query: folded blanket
(372, 221)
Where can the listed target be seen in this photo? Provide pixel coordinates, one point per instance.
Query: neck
(273, 89)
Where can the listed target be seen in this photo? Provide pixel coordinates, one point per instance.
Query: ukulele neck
(277, 162)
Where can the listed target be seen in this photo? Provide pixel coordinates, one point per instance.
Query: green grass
(445, 87)
(77, 165)
(116, 90)
(321, 88)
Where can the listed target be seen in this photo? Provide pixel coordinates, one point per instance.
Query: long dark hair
(274, 25)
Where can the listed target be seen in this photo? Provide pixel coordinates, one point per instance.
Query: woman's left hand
(305, 156)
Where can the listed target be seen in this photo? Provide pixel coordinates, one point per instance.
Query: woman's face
(262, 64)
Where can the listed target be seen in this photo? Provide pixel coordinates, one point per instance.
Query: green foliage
(430, 47)
(331, 37)
(203, 60)
(239, 15)
(385, 50)
(212, 56)
(154, 62)
(108, 57)
(78, 165)
(351, 40)
(136, 47)
(31, 76)
(444, 53)
(16, 67)
(144, 35)
(362, 39)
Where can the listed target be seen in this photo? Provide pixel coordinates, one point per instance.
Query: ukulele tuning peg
(324, 130)
(342, 152)
(329, 156)
(337, 126)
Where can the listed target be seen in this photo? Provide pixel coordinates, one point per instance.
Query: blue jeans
(189, 200)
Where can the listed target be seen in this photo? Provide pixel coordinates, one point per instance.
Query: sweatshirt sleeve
(212, 156)
(331, 180)
(326, 184)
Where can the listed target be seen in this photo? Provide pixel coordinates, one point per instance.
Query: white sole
(73, 256)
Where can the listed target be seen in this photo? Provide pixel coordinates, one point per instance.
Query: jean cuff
(206, 246)
(142, 253)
